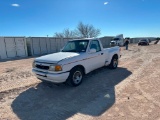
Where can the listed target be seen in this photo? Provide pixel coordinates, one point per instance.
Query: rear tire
(75, 77)
(114, 63)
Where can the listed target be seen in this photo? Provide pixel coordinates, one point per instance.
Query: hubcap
(77, 77)
(115, 62)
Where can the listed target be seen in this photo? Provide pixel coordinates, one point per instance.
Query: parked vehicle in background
(143, 42)
(77, 58)
(113, 43)
(117, 40)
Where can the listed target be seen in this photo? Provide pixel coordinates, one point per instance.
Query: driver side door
(96, 59)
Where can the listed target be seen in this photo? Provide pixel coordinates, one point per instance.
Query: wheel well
(81, 67)
(115, 55)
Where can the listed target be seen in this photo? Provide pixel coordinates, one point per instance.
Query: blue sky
(133, 18)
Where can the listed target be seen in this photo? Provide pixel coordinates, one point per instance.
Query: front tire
(75, 77)
(114, 63)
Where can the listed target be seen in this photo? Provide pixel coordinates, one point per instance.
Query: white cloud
(15, 5)
(105, 3)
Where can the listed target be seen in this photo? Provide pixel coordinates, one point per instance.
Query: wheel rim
(77, 77)
(115, 62)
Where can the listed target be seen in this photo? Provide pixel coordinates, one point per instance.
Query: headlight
(52, 68)
(55, 68)
(33, 64)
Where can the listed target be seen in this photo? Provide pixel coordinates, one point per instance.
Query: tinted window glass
(76, 46)
(95, 44)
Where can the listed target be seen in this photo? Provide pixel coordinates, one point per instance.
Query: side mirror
(92, 50)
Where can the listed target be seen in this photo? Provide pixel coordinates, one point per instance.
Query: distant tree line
(82, 31)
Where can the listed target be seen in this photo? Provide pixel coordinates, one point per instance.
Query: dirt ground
(130, 92)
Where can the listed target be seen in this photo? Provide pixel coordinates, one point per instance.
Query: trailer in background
(117, 40)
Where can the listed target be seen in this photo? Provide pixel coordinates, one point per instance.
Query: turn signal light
(58, 68)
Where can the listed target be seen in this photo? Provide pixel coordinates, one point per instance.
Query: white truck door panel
(97, 59)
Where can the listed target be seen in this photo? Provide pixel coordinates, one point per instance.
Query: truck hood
(56, 57)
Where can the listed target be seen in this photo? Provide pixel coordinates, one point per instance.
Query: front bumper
(51, 77)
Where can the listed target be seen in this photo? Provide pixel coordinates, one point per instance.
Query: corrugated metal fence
(45, 45)
(106, 41)
(11, 47)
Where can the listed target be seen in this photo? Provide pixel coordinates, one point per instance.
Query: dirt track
(130, 92)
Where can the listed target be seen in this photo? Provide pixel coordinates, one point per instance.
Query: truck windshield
(76, 46)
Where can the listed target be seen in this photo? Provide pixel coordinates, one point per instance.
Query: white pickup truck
(77, 58)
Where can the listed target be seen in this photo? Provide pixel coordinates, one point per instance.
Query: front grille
(42, 67)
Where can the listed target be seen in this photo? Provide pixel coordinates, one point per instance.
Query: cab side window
(95, 45)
